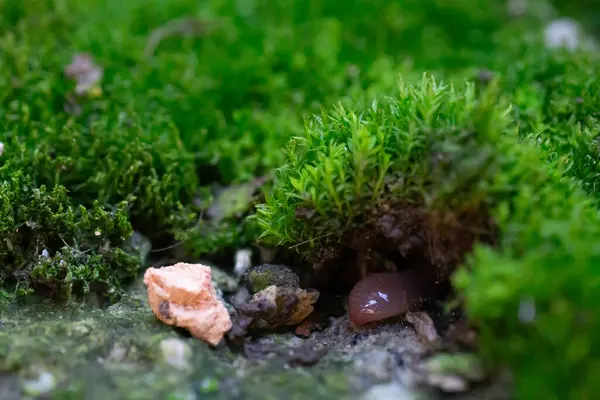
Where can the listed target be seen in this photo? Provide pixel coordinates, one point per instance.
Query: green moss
(213, 104)
(199, 94)
(349, 164)
(49, 244)
(446, 150)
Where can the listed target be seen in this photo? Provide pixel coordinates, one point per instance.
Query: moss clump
(450, 153)
(194, 95)
(49, 244)
(352, 176)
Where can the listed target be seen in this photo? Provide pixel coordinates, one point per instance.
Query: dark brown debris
(305, 213)
(460, 336)
(310, 325)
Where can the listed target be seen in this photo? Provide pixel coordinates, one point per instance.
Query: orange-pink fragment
(183, 295)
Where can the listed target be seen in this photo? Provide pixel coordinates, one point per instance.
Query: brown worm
(384, 295)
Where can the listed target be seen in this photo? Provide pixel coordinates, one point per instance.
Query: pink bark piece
(183, 295)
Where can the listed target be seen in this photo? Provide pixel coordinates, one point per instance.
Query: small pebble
(388, 391)
(376, 364)
(117, 354)
(448, 383)
(43, 384)
(176, 353)
(1, 148)
(223, 281)
(562, 33)
(243, 261)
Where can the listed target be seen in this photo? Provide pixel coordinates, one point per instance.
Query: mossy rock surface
(116, 352)
(316, 128)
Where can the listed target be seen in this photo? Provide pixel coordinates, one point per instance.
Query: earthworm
(384, 295)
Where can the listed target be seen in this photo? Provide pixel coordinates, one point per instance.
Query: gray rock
(223, 281)
(9, 387)
(263, 276)
(388, 391)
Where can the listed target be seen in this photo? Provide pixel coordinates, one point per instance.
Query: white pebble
(562, 33)
(1, 148)
(176, 353)
(43, 384)
(243, 261)
(388, 391)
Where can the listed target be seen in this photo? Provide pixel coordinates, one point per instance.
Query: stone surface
(183, 295)
(116, 353)
(280, 306)
(265, 275)
(223, 281)
(119, 353)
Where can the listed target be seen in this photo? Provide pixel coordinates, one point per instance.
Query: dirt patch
(402, 236)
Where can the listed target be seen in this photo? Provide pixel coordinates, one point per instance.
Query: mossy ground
(206, 110)
(115, 352)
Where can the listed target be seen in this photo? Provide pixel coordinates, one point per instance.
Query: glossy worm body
(384, 295)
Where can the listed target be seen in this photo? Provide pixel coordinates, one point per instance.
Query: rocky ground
(124, 352)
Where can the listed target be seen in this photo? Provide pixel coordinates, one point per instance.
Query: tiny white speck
(564, 33)
(527, 310)
(383, 296)
(97, 233)
(243, 261)
(1, 148)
